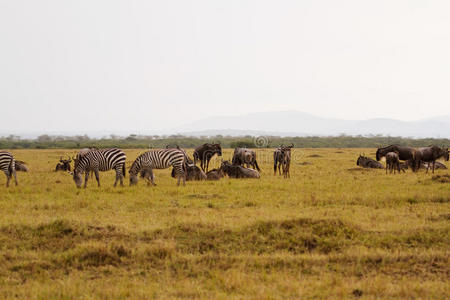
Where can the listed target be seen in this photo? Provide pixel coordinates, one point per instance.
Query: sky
(150, 65)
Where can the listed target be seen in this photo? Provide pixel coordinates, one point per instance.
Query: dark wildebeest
(404, 153)
(192, 173)
(245, 156)
(392, 162)
(367, 162)
(235, 171)
(279, 157)
(214, 174)
(429, 154)
(205, 152)
(63, 165)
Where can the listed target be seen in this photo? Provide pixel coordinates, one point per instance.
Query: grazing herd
(413, 157)
(91, 161)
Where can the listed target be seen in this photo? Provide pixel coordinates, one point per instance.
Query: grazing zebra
(100, 160)
(159, 159)
(8, 166)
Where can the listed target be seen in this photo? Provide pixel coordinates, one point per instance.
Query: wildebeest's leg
(97, 176)
(275, 168)
(207, 163)
(387, 164)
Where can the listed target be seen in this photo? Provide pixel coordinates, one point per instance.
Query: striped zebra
(158, 159)
(99, 160)
(8, 166)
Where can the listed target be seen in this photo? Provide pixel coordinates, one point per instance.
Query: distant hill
(294, 123)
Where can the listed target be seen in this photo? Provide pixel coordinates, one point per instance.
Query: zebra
(100, 160)
(8, 166)
(159, 159)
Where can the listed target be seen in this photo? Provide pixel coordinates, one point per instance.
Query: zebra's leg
(86, 177)
(97, 176)
(120, 175)
(8, 178)
(207, 165)
(184, 178)
(152, 178)
(117, 176)
(15, 177)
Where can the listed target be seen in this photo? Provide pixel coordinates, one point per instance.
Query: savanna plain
(332, 230)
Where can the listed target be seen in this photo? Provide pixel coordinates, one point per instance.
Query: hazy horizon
(140, 66)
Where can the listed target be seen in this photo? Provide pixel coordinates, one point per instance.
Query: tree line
(154, 141)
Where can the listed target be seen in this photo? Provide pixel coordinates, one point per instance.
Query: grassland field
(330, 231)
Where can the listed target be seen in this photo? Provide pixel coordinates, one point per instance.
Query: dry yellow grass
(328, 231)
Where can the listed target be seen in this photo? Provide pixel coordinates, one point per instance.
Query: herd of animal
(414, 158)
(90, 161)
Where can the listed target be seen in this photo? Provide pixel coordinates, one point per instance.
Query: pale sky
(150, 65)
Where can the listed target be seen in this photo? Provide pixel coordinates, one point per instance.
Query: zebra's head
(133, 179)
(77, 178)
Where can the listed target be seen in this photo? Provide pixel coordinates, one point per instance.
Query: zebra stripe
(100, 160)
(8, 166)
(159, 159)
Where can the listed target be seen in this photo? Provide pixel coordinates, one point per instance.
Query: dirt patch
(314, 155)
(441, 178)
(305, 163)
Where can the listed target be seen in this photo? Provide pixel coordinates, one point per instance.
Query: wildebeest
(214, 174)
(236, 171)
(392, 162)
(205, 152)
(404, 153)
(429, 154)
(287, 164)
(63, 165)
(246, 156)
(367, 162)
(279, 157)
(193, 173)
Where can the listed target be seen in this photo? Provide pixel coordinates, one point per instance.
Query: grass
(331, 230)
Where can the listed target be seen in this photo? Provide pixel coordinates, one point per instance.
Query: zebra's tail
(123, 170)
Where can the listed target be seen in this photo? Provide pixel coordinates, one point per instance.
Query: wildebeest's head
(217, 148)
(378, 155)
(358, 161)
(446, 153)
